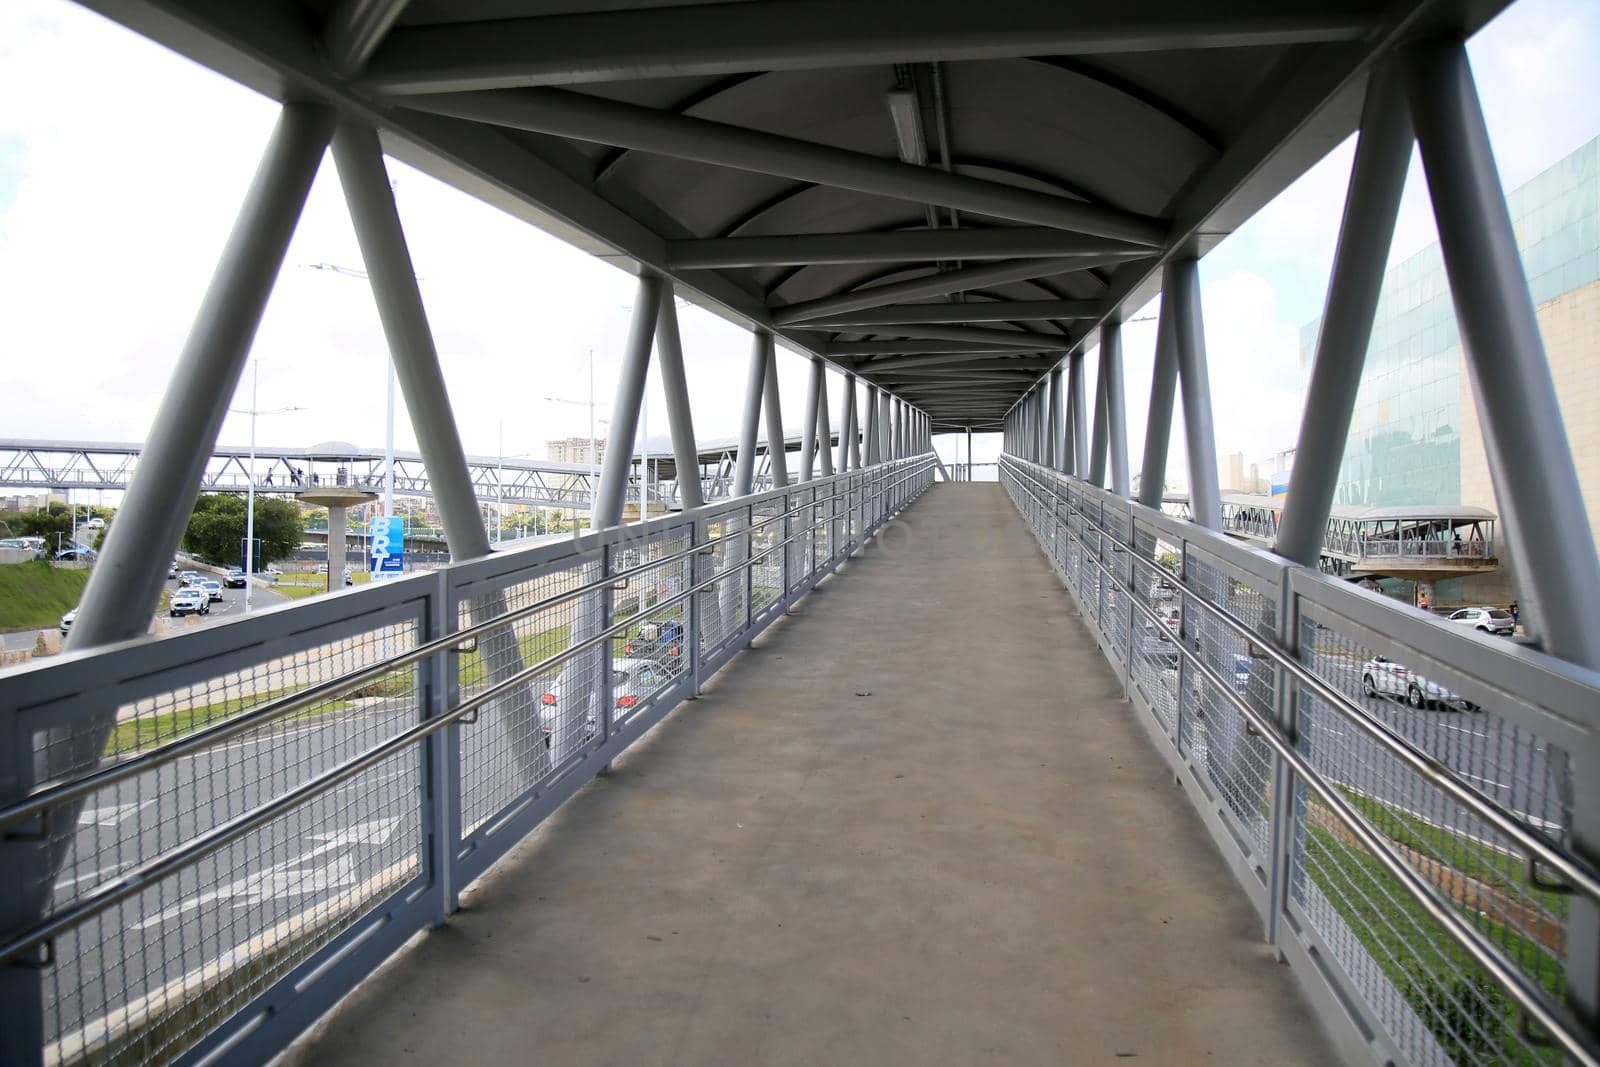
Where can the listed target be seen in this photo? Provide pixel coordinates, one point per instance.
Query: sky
(122, 167)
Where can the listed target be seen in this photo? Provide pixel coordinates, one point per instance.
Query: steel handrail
(186, 855)
(1530, 997)
(40, 802)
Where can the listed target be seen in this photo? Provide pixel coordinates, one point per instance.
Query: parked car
(633, 680)
(1485, 620)
(76, 552)
(234, 579)
(190, 600)
(1383, 677)
(660, 641)
(67, 620)
(211, 587)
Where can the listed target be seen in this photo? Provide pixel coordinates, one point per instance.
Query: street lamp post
(250, 489)
(594, 459)
(388, 431)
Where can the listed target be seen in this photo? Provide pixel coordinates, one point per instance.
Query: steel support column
(1182, 287)
(824, 431)
(744, 469)
(1116, 405)
(808, 427)
(1078, 422)
(1057, 449)
(1372, 202)
(849, 442)
(612, 492)
(884, 453)
(675, 387)
(126, 583)
(777, 458)
(1158, 426)
(873, 435)
(1544, 525)
(1097, 440)
(405, 326)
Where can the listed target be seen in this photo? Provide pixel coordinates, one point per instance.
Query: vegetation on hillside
(35, 595)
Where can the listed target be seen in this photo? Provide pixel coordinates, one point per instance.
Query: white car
(211, 587)
(1485, 620)
(1384, 677)
(190, 600)
(67, 620)
(632, 682)
(96, 523)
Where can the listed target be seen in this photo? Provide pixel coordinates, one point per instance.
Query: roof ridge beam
(977, 361)
(561, 113)
(718, 253)
(702, 40)
(972, 311)
(1023, 339)
(917, 347)
(940, 284)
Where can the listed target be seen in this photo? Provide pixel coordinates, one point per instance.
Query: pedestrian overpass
(858, 766)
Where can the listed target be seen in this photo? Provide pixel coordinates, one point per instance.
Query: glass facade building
(1405, 443)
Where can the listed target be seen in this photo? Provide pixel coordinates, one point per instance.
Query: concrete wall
(1570, 324)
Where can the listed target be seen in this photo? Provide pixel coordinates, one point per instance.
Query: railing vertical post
(605, 683)
(1281, 832)
(697, 574)
(442, 755)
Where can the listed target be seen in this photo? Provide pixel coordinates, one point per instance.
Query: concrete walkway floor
(914, 825)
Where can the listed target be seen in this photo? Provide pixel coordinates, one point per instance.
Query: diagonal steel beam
(561, 113)
(805, 249)
(942, 284)
(697, 41)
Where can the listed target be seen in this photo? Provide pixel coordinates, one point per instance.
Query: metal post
(855, 425)
(1377, 179)
(405, 325)
(847, 427)
(1057, 452)
(1116, 406)
(884, 454)
(744, 470)
(824, 430)
(1182, 287)
(1545, 526)
(873, 436)
(808, 427)
(1097, 442)
(1158, 427)
(1078, 425)
(675, 387)
(125, 585)
(775, 441)
(611, 495)
(1548, 534)
(969, 453)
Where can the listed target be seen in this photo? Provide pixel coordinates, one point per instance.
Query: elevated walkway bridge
(898, 771)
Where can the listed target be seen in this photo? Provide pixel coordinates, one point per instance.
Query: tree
(47, 523)
(217, 527)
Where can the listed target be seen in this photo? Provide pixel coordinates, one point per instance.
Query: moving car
(67, 620)
(1485, 620)
(76, 552)
(633, 680)
(172, 569)
(96, 523)
(190, 600)
(1384, 677)
(189, 577)
(661, 641)
(234, 579)
(211, 587)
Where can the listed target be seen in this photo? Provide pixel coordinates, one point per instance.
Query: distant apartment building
(574, 450)
(1415, 436)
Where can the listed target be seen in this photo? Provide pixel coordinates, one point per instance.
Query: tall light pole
(594, 454)
(250, 489)
(388, 430)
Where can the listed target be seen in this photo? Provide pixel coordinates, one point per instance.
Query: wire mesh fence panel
(519, 738)
(1234, 756)
(152, 975)
(653, 649)
(767, 553)
(1156, 659)
(724, 603)
(1114, 606)
(1431, 998)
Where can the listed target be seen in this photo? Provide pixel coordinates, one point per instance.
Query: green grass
(1473, 1021)
(298, 585)
(35, 594)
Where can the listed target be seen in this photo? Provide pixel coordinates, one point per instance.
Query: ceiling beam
(806, 249)
(714, 39)
(986, 362)
(918, 347)
(971, 311)
(1023, 339)
(589, 118)
(939, 284)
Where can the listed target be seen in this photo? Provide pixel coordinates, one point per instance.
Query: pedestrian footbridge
(849, 766)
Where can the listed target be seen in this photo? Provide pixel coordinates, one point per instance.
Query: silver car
(633, 681)
(1381, 677)
(1485, 620)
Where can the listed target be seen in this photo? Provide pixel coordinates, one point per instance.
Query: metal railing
(1407, 838)
(279, 802)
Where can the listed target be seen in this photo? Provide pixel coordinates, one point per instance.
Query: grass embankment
(298, 585)
(35, 594)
